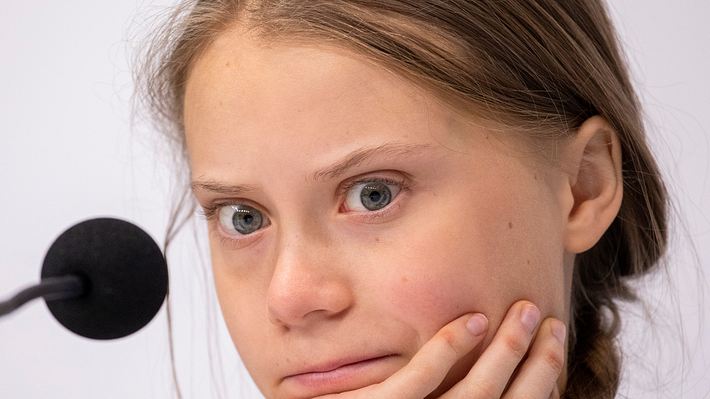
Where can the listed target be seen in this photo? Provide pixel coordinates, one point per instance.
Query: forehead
(243, 97)
(290, 76)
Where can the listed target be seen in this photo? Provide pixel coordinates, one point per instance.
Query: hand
(497, 373)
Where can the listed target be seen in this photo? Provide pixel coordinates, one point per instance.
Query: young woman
(432, 199)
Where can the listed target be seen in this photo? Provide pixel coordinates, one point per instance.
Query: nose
(306, 286)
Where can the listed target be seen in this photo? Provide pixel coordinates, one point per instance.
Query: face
(353, 215)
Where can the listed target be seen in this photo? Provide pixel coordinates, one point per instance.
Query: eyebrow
(220, 188)
(391, 150)
(359, 156)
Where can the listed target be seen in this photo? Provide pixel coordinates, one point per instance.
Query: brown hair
(538, 66)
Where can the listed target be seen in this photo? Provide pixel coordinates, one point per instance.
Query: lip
(337, 373)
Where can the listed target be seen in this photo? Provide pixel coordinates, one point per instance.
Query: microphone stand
(51, 288)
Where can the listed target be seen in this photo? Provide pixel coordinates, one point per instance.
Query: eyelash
(209, 212)
(401, 183)
(380, 213)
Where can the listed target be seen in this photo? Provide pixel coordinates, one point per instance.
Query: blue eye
(371, 195)
(240, 219)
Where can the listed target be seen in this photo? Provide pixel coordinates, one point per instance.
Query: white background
(67, 153)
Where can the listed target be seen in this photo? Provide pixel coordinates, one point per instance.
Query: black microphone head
(124, 271)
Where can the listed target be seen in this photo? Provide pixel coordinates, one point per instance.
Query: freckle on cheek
(510, 225)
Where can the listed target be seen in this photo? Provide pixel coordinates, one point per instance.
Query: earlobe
(592, 160)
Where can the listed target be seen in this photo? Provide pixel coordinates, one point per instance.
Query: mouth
(338, 376)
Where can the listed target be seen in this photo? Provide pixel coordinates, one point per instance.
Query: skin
(485, 222)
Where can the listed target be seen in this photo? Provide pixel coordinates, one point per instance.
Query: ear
(594, 188)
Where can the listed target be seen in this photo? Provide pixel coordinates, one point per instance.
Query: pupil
(248, 219)
(375, 196)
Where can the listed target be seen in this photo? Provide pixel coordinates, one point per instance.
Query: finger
(490, 374)
(427, 369)
(538, 375)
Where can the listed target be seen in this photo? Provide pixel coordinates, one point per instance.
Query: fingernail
(529, 317)
(559, 330)
(477, 324)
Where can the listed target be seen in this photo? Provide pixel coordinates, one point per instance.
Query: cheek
(247, 323)
(480, 257)
(240, 300)
(426, 303)
(434, 279)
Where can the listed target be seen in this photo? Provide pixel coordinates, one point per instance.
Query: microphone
(103, 278)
